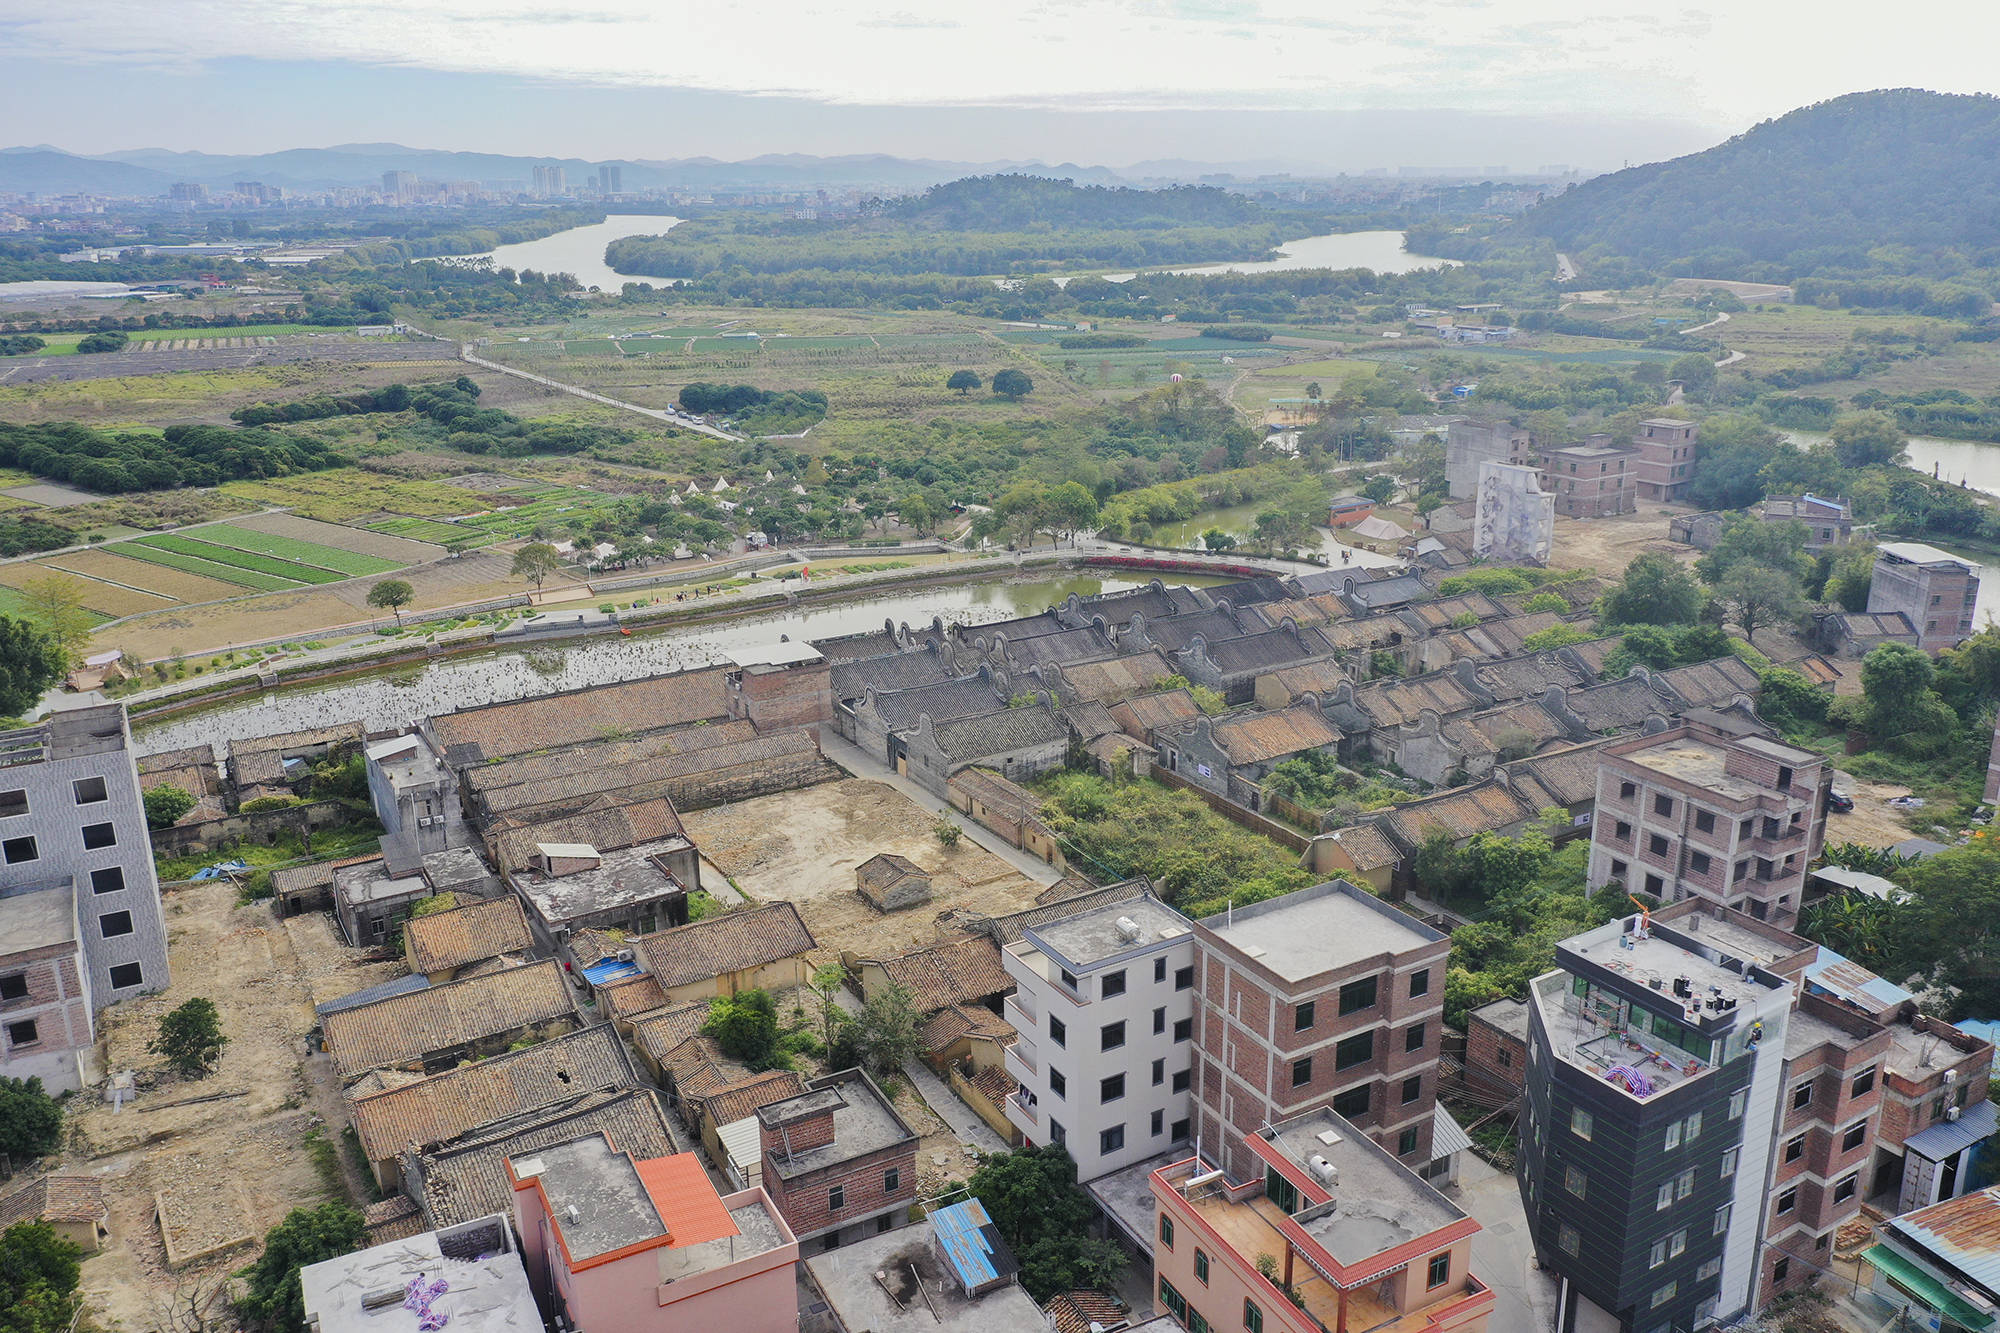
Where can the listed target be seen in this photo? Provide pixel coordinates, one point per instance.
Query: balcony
(1021, 1011)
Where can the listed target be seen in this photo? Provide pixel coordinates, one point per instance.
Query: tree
(1071, 508)
(1756, 595)
(1654, 591)
(1948, 928)
(1900, 709)
(272, 1301)
(31, 664)
(946, 832)
(1215, 539)
(1868, 439)
(56, 604)
(392, 594)
(191, 1038)
(535, 562)
(1011, 383)
(38, 1276)
(885, 1032)
(965, 381)
(1748, 540)
(1379, 488)
(1313, 391)
(30, 1119)
(166, 804)
(745, 1025)
(1033, 1198)
(111, 341)
(1850, 570)
(1425, 464)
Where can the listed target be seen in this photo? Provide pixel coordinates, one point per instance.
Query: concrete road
(1503, 1253)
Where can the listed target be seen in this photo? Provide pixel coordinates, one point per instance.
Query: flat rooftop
(37, 916)
(1092, 937)
(622, 878)
(846, 1277)
(1378, 1203)
(1698, 762)
(1319, 929)
(863, 1122)
(485, 1287)
(612, 1208)
(1921, 553)
(1652, 960)
(757, 1232)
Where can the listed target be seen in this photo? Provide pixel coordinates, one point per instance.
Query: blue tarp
(972, 1244)
(609, 969)
(221, 869)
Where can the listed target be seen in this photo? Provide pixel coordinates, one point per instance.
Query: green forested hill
(1870, 182)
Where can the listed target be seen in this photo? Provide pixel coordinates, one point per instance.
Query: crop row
(225, 555)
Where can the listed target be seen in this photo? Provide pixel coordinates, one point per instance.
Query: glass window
(1302, 1016)
(1159, 1072)
(1674, 1135)
(1111, 1089)
(1357, 995)
(1253, 1318)
(1704, 820)
(14, 986)
(1172, 1299)
(1788, 1200)
(99, 835)
(1420, 982)
(1737, 1101)
(1182, 1078)
(1181, 1128)
(836, 1198)
(1657, 1255)
(1111, 1140)
(1354, 1050)
(89, 791)
(1575, 1181)
(1684, 1186)
(1406, 1142)
(1677, 1244)
(1708, 1270)
(1413, 1088)
(1201, 1267)
(1058, 1031)
(1721, 1220)
(1184, 977)
(1665, 1294)
(892, 1179)
(1159, 1021)
(1864, 1082)
(1057, 1134)
(1856, 1134)
(1159, 970)
(1440, 1271)
(1795, 1148)
(13, 803)
(1413, 1037)
(1068, 978)
(1568, 1239)
(1183, 1029)
(17, 850)
(1166, 1232)
(125, 975)
(1058, 1083)
(1802, 1096)
(1729, 1161)
(1159, 1125)
(1111, 1036)
(113, 924)
(1114, 984)
(108, 880)
(1352, 1104)
(1302, 1072)
(1844, 1190)
(1694, 1127)
(1581, 1122)
(1662, 804)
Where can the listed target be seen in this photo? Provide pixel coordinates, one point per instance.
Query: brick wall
(1494, 1058)
(805, 1201)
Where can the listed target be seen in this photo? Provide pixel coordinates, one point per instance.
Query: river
(1381, 251)
(579, 251)
(399, 696)
(1976, 465)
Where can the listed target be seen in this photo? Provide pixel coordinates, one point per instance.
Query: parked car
(1839, 802)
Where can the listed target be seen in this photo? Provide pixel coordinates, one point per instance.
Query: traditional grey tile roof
(660, 1032)
(1268, 651)
(1525, 723)
(458, 1101)
(486, 929)
(257, 761)
(738, 1101)
(965, 969)
(1255, 736)
(1393, 702)
(1367, 846)
(1712, 684)
(1461, 813)
(727, 942)
(1320, 677)
(1089, 719)
(547, 721)
(885, 868)
(1436, 616)
(1060, 647)
(871, 643)
(963, 696)
(998, 794)
(967, 740)
(603, 822)
(1155, 599)
(1173, 633)
(668, 776)
(1389, 592)
(1528, 676)
(469, 1178)
(1616, 705)
(572, 760)
(895, 671)
(64, 1197)
(1566, 776)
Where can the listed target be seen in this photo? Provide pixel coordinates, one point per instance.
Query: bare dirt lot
(803, 847)
(235, 1160)
(1609, 544)
(1872, 822)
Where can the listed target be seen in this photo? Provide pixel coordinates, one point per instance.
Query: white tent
(1378, 529)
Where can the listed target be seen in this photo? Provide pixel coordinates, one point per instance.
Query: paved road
(1565, 270)
(1524, 1297)
(658, 414)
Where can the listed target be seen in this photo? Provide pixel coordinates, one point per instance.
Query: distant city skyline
(1370, 84)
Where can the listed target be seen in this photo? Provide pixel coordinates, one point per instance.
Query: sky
(1347, 83)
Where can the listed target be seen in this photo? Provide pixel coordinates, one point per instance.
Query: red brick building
(1666, 459)
(839, 1163)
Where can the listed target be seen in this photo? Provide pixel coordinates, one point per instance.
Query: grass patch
(343, 494)
(291, 548)
(424, 530)
(242, 578)
(226, 555)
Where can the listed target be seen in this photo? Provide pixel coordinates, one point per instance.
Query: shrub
(191, 1038)
(167, 804)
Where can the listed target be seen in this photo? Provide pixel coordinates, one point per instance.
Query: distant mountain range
(143, 172)
(1818, 188)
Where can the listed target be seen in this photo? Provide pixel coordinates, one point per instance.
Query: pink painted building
(1329, 1234)
(614, 1244)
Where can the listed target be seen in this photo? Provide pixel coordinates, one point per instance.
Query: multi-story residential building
(1935, 589)
(1856, 1098)
(1827, 522)
(1325, 1230)
(1324, 997)
(1595, 479)
(838, 1161)
(466, 1277)
(612, 1242)
(1655, 1073)
(1666, 459)
(1470, 443)
(76, 857)
(1710, 808)
(1104, 1007)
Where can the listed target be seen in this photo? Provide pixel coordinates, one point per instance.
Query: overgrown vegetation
(1044, 1216)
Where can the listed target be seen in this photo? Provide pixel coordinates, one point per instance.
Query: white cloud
(1728, 63)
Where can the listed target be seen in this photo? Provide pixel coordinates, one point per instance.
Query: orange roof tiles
(681, 1193)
